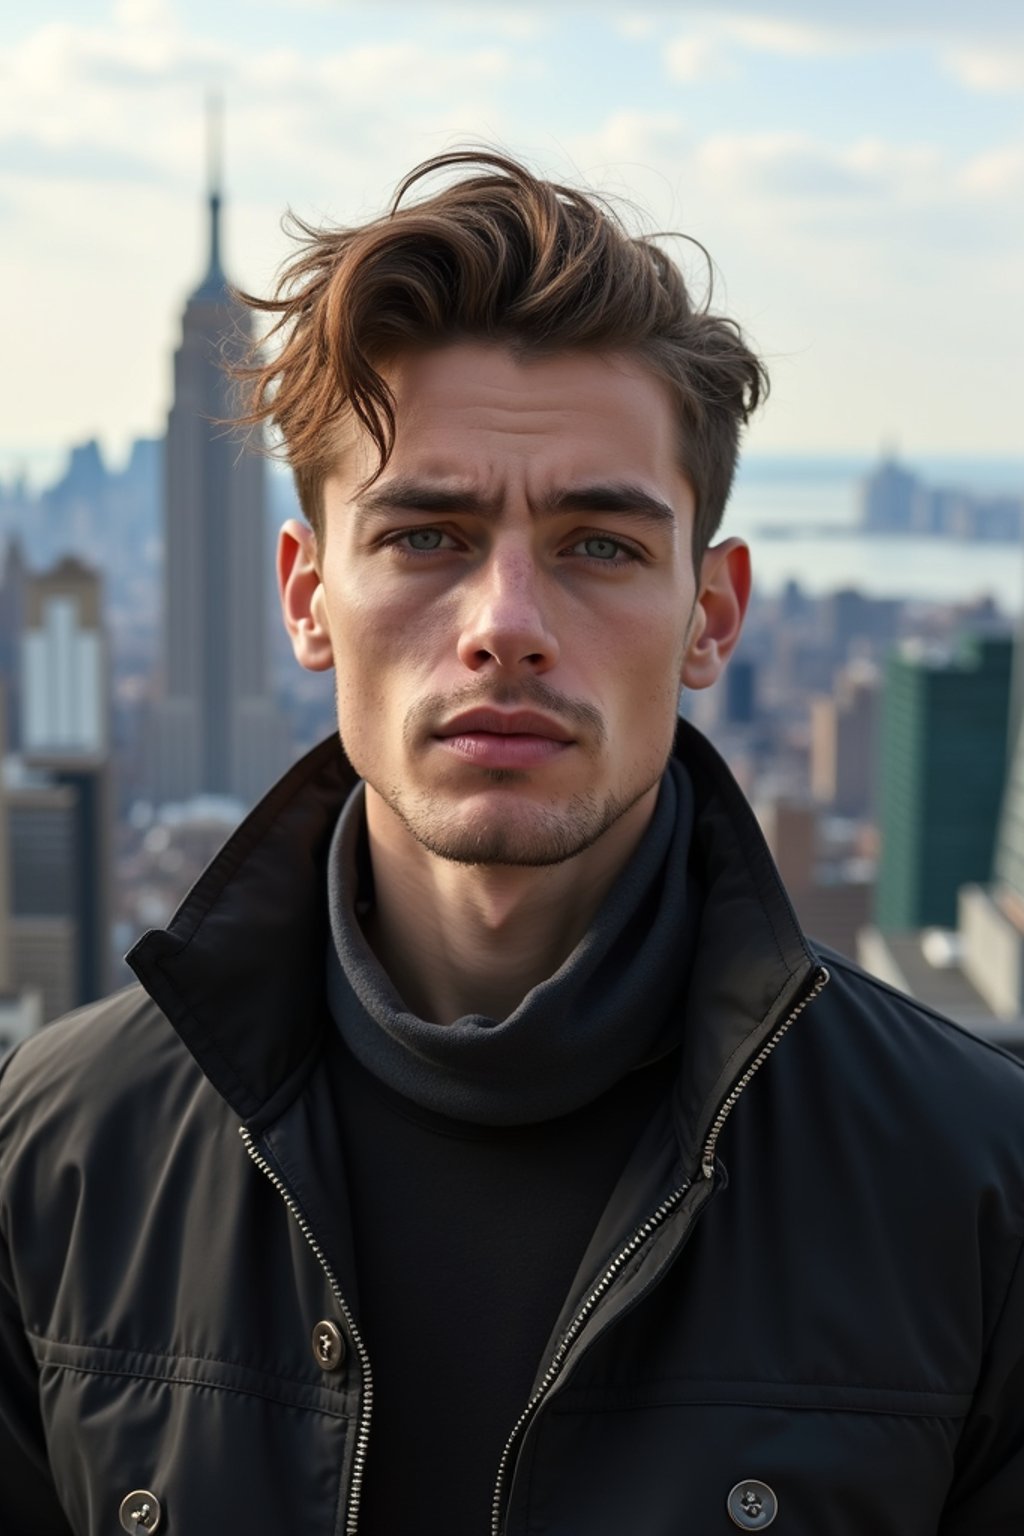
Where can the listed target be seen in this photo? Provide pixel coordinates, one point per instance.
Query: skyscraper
(992, 915)
(217, 730)
(59, 794)
(943, 764)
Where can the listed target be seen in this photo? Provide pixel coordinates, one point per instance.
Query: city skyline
(857, 184)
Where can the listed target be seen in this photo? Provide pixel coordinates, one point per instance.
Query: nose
(503, 622)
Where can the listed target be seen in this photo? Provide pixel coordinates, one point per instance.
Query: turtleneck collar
(615, 1004)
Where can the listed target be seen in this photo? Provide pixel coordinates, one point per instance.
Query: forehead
(478, 407)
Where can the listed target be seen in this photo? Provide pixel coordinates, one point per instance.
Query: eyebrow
(405, 494)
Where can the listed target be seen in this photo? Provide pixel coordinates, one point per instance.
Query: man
(484, 1147)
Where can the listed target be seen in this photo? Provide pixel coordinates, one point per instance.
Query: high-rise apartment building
(47, 872)
(58, 795)
(64, 706)
(942, 769)
(217, 730)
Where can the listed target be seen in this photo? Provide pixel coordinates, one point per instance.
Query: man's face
(508, 606)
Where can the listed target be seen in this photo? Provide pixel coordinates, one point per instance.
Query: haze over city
(858, 183)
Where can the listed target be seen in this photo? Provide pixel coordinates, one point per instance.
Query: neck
(484, 935)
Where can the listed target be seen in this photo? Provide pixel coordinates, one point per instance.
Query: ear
(723, 592)
(302, 597)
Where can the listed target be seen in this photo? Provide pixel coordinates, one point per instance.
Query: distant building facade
(942, 768)
(991, 916)
(894, 500)
(831, 889)
(58, 795)
(844, 742)
(12, 624)
(740, 684)
(46, 875)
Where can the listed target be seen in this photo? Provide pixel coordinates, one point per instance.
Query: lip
(496, 722)
(492, 738)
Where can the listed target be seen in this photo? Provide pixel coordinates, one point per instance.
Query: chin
(515, 834)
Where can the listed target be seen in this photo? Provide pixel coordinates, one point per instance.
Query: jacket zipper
(707, 1162)
(637, 1241)
(366, 1409)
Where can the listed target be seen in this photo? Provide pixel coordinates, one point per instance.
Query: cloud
(988, 70)
(801, 183)
(773, 35)
(84, 162)
(793, 168)
(696, 58)
(636, 27)
(996, 174)
(516, 23)
(143, 14)
(984, 47)
(873, 19)
(73, 97)
(713, 47)
(634, 138)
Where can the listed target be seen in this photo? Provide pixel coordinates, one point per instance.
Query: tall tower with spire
(217, 730)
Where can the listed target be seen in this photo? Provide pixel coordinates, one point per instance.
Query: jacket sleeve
(987, 1494)
(28, 1499)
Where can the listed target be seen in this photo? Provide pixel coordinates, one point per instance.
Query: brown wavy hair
(496, 255)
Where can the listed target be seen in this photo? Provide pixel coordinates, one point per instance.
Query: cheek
(647, 656)
(382, 645)
(647, 665)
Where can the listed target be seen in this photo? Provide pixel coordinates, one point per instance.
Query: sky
(855, 171)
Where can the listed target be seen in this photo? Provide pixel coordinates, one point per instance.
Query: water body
(799, 516)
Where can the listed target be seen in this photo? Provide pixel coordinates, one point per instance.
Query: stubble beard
(525, 835)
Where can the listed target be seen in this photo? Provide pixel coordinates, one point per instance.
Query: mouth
(492, 738)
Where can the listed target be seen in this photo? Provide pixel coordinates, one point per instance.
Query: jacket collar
(239, 970)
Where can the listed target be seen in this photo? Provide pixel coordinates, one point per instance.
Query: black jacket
(804, 1301)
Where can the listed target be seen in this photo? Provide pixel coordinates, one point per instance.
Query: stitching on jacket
(164, 1352)
(195, 1381)
(779, 1406)
(804, 1386)
(950, 1407)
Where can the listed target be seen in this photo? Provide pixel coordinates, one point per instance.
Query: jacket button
(140, 1511)
(752, 1505)
(328, 1346)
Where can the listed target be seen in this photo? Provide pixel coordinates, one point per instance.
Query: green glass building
(943, 761)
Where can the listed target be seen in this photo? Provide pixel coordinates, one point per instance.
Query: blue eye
(610, 551)
(425, 538)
